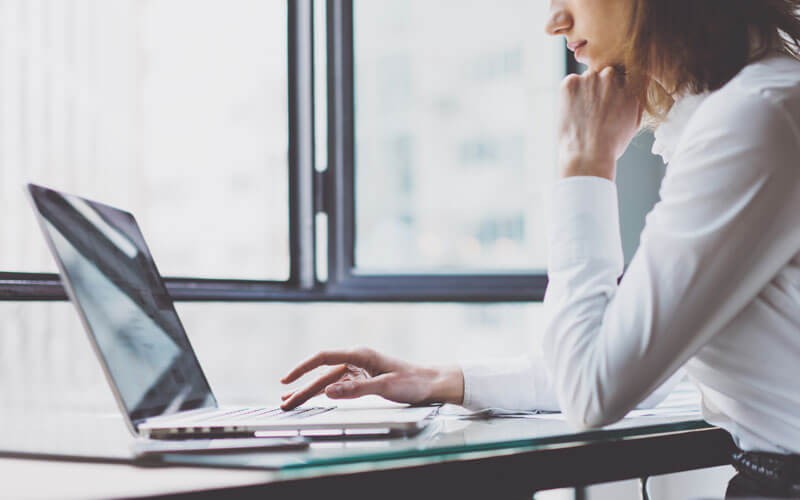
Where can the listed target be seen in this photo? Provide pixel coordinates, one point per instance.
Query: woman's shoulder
(758, 110)
(764, 96)
(775, 78)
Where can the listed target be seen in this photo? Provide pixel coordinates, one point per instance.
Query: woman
(715, 284)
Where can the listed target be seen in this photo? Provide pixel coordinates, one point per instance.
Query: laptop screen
(111, 277)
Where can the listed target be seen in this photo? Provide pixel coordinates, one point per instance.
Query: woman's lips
(573, 46)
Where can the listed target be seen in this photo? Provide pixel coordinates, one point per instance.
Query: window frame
(331, 191)
(339, 179)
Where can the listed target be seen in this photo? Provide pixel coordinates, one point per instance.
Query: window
(180, 118)
(235, 136)
(443, 124)
(282, 152)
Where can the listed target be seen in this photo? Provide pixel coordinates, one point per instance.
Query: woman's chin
(596, 64)
(590, 62)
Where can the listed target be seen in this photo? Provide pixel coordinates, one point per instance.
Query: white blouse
(714, 286)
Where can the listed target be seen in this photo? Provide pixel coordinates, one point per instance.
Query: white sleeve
(520, 383)
(590, 230)
(523, 383)
(726, 224)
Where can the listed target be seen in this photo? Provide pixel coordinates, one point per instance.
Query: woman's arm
(726, 224)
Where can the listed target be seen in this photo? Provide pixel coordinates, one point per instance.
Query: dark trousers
(742, 486)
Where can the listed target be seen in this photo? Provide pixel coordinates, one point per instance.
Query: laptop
(110, 276)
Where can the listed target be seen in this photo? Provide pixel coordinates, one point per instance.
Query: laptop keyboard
(267, 414)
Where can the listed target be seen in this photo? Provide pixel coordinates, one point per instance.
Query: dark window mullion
(301, 143)
(47, 287)
(31, 286)
(341, 173)
(375, 288)
(446, 288)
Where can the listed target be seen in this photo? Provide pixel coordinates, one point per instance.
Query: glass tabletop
(448, 437)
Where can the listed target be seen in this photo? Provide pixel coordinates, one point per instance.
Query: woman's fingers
(364, 358)
(357, 388)
(300, 396)
(293, 402)
(348, 375)
(600, 114)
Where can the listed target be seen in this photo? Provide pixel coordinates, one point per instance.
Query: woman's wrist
(595, 166)
(447, 385)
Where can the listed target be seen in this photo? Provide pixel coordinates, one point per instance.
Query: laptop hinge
(136, 423)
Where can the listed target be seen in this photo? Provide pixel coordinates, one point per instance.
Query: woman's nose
(559, 22)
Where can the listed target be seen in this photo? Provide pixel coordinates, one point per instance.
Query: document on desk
(683, 401)
(453, 411)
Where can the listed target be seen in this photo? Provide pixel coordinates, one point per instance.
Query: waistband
(773, 469)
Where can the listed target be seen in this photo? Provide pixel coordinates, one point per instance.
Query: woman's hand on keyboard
(362, 371)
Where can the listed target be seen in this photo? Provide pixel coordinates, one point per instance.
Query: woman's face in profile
(595, 29)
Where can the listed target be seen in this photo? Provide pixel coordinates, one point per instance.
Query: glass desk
(456, 457)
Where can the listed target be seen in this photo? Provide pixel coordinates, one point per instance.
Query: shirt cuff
(519, 383)
(584, 223)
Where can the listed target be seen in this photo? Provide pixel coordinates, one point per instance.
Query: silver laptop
(110, 276)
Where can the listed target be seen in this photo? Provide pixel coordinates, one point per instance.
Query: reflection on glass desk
(454, 456)
(105, 438)
(455, 432)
